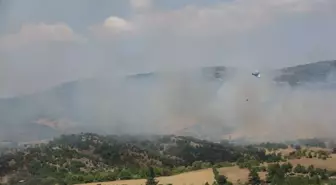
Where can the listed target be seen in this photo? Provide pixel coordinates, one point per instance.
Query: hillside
(87, 158)
(90, 157)
(74, 106)
(318, 72)
(103, 106)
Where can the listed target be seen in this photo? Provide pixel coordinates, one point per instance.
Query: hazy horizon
(44, 43)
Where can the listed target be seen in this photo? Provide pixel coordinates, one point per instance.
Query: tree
(315, 179)
(300, 169)
(275, 174)
(311, 170)
(125, 174)
(287, 167)
(322, 173)
(151, 177)
(197, 165)
(215, 172)
(310, 155)
(254, 178)
(220, 179)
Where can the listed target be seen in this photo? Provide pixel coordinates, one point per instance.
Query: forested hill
(90, 157)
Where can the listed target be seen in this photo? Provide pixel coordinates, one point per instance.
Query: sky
(46, 42)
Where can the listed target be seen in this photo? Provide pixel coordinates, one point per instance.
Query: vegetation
(90, 157)
(151, 177)
(254, 178)
(320, 154)
(87, 157)
(283, 174)
(272, 146)
(312, 143)
(220, 179)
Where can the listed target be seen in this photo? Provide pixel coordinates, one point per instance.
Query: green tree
(311, 170)
(220, 179)
(125, 174)
(322, 173)
(310, 155)
(197, 165)
(300, 169)
(287, 167)
(315, 180)
(275, 174)
(254, 178)
(151, 177)
(216, 173)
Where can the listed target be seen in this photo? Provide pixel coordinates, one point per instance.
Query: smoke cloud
(170, 102)
(44, 46)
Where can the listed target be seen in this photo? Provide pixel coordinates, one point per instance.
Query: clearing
(195, 177)
(329, 163)
(190, 178)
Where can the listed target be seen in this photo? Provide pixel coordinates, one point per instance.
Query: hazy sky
(46, 42)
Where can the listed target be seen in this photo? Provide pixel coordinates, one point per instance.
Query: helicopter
(256, 74)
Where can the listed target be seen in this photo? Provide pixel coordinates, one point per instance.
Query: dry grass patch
(329, 163)
(189, 178)
(286, 151)
(192, 178)
(235, 173)
(316, 149)
(121, 182)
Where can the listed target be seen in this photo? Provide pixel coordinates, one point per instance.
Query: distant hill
(319, 72)
(77, 106)
(94, 105)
